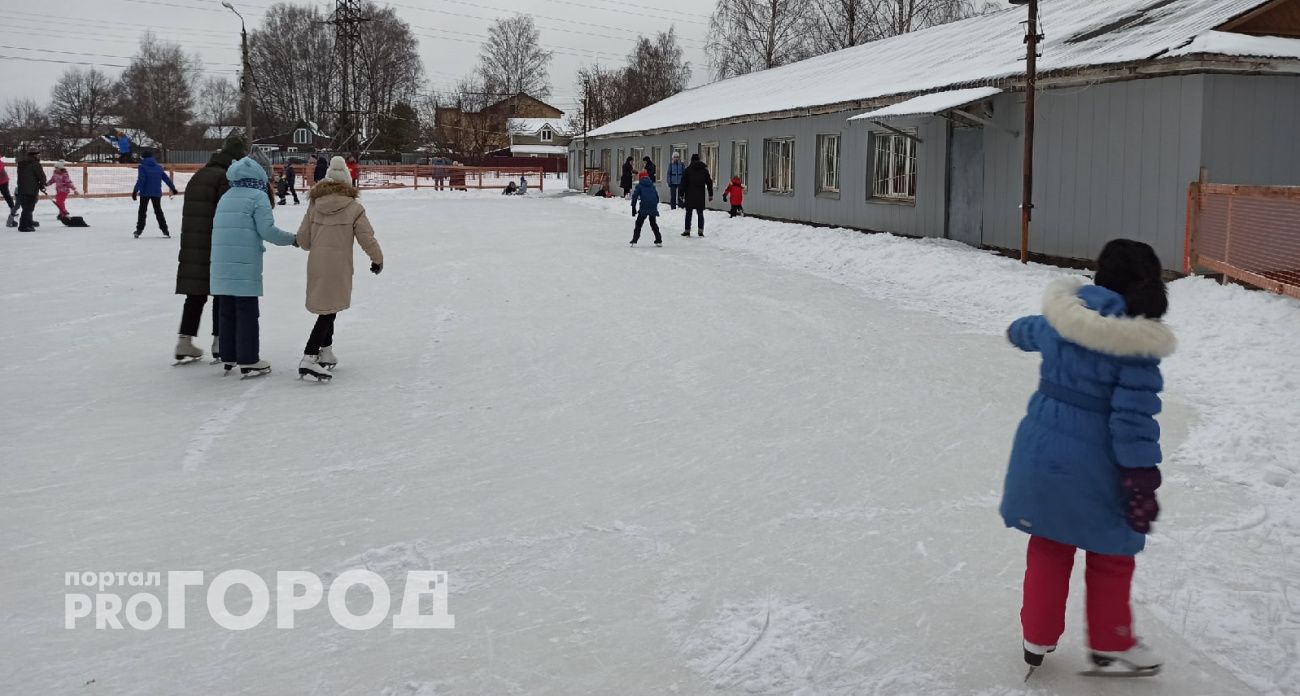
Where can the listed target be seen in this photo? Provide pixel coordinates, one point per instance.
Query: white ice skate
(310, 366)
(186, 352)
(257, 369)
(326, 358)
(1137, 661)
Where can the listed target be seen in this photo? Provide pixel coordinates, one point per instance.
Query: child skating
(735, 195)
(243, 221)
(334, 220)
(646, 193)
(63, 186)
(1083, 471)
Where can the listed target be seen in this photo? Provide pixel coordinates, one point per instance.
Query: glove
(634, 212)
(376, 268)
(1141, 508)
(295, 244)
(134, 195)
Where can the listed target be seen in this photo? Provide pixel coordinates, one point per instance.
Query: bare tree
(25, 124)
(894, 17)
(80, 102)
(512, 60)
(655, 71)
(294, 72)
(459, 127)
(156, 92)
(750, 35)
(391, 69)
(219, 102)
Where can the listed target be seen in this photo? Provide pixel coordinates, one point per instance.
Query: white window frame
(301, 136)
(709, 155)
(656, 155)
(828, 164)
(781, 181)
(637, 153)
(547, 135)
(683, 150)
(893, 167)
(740, 161)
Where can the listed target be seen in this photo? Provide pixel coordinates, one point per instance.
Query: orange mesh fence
(1247, 233)
(118, 180)
(597, 177)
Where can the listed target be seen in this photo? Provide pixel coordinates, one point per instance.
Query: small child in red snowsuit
(735, 194)
(62, 183)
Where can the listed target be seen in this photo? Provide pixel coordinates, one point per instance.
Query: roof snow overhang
(932, 104)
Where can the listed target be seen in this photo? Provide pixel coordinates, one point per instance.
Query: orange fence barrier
(118, 180)
(1248, 233)
(598, 177)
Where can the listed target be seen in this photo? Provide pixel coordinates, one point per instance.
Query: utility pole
(1032, 38)
(246, 80)
(347, 23)
(586, 125)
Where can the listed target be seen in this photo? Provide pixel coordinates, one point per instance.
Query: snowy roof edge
(1089, 44)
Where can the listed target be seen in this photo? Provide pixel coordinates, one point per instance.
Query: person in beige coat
(334, 220)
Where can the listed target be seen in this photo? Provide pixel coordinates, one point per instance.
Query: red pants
(1047, 585)
(60, 200)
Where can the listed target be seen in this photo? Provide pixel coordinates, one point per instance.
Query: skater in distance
(1084, 467)
(648, 196)
(148, 189)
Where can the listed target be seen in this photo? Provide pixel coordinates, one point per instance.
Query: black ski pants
(238, 330)
(322, 334)
(193, 313)
(157, 212)
(654, 227)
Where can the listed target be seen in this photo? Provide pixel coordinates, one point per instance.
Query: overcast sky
(106, 33)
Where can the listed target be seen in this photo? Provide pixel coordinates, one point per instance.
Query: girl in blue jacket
(242, 223)
(1083, 471)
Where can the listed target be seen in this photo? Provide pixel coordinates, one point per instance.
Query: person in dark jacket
(675, 171)
(31, 184)
(193, 270)
(290, 181)
(650, 169)
(646, 194)
(697, 191)
(322, 166)
(1084, 467)
(148, 188)
(625, 181)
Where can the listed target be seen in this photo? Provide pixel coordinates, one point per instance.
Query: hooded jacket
(31, 177)
(646, 193)
(322, 166)
(675, 170)
(62, 181)
(628, 178)
(697, 185)
(243, 221)
(334, 220)
(650, 168)
(1092, 416)
(735, 192)
(202, 193)
(150, 178)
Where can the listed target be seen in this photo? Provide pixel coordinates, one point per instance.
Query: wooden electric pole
(1032, 37)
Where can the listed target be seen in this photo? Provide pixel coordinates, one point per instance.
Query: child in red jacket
(735, 194)
(62, 183)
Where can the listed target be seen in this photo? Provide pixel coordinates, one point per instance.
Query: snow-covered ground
(767, 461)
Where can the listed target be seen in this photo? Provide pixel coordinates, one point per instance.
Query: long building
(921, 134)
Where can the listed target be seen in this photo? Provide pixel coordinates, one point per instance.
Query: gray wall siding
(1111, 160)
(1252, 129)
(852, 208)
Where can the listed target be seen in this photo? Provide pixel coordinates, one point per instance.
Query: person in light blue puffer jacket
(1084, 466)
(242, 223)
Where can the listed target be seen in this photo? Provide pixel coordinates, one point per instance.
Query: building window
(709, 153)
(828, 163)
(778, 165)
(302, 136)
(605, 164)
(894, 167)
(547, 135)
(657, 155)
(682, 151)
(740, 161)
(637, 154)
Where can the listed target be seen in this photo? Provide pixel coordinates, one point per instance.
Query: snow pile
(1237, 364)
(1228, 44)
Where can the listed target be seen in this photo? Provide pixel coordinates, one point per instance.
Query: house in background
(493, 129)
(538, 137)
(305, 138)
(97, 149)
(921, 134)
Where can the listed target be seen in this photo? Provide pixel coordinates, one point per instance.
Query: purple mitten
(1141, 508)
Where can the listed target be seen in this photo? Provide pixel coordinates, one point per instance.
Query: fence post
(85, 181)
(415, 170)
(542, 186)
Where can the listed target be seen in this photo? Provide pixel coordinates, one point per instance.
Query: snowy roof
(1224, 43)
(532, 126)
(931, 103)
(539, 150)
(220, 132)
(1080, 34)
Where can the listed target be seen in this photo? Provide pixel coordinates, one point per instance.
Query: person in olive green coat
(201, 196)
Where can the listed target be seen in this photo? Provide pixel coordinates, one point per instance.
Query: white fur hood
(1121, 336)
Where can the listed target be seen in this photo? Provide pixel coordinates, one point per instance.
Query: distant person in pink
(62, 183)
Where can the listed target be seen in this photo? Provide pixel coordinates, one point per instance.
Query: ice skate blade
(253, 374)
(186, 360)
(304, 373)
(1120, 672)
